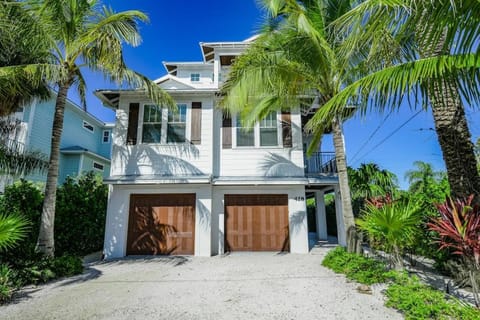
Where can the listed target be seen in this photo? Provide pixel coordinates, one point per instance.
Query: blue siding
(74, 134)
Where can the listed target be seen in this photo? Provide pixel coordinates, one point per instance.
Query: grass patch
(406, 294)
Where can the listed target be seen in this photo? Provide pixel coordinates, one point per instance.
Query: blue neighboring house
(86, 141)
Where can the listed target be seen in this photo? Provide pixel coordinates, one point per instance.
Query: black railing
(320, 163)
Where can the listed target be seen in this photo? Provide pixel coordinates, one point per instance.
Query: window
(98, 166)
(106, 136)
(245, 135)
(268, 130)
(195, 77)
(263, 134)
(152, 124)
(177, 124)
(87, 126)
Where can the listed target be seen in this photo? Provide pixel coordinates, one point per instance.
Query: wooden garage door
(161, 224)
(256, 223)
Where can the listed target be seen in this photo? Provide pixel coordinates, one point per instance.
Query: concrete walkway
(236, 286)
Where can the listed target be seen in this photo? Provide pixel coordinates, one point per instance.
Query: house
(195, 182)
(85, 144)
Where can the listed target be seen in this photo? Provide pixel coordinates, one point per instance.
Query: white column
(216, 70)
(341, 233)
(321, 215)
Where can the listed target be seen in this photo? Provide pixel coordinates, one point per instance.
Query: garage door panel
(161, 224)
(256, 222)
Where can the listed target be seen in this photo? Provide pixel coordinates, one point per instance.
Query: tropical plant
(296, 62)
(13, 228)
(79, 34)
(417, 51)
(392, 227)
(422, 177)
(20, 44)
(459, 229)
(369, 180)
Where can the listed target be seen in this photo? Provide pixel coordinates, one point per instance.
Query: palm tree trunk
(45, 242)
(348, 218)
(450, 124)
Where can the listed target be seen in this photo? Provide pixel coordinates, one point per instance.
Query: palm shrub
(458, 228)
(391, 226)
(13, 228)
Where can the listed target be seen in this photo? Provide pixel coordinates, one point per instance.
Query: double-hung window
(162, 126)
(177, 124)
(152, 124)
(262, 134)
(268, 131)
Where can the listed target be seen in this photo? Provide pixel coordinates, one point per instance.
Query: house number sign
(299, 199)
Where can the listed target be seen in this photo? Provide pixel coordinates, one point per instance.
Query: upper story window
(98, 166)
(162, 126)
(263, 134)
(152, 124)
(177, 124)
(87, 126)
(106, 136)
(195, 77)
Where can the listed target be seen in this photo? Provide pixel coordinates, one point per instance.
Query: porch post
(321, 215)
(341, 233)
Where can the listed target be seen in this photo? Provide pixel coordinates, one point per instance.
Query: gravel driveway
(236, 286)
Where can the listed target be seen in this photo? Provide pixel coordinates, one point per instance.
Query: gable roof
(172, 82)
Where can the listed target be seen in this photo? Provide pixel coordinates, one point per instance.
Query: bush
(25, 199)
(67, 266)
(418, 301)
(80, 216)
(359, 268)
(6, 287)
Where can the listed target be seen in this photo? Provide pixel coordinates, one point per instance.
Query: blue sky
(176, 28)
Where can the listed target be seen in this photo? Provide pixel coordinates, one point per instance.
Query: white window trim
(98, 169)
(163, 138)
(256, 135)
(89, 124)
(103, 136)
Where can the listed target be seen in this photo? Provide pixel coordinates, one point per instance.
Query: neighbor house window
(98, 166)
(262, 134)
(177, 124)
(268, 130)
(245, 135)
(106, 136)
(195, 77)
(152, 124)
(87, 126)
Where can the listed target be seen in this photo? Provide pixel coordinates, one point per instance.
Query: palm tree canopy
(422, 176)
(82, 33)
(397, 75)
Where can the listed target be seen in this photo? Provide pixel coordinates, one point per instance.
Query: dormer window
(195, 77)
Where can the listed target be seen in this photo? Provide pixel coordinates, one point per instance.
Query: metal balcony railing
(320, 163)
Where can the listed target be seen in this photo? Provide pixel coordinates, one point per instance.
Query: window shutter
(196, 134)
(286, 130)
(132, 123)
(226, 132)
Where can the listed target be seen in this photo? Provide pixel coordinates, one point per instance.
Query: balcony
(320, 164)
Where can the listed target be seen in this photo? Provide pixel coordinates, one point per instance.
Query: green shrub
(418, 301)
(67, 266)
(80, 216)
(6, 287)
(355, 267)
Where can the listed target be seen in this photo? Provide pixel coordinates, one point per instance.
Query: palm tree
(295, 62)
(80, 34)
(20, 44)
(422, 177)
(437, 62)
(369, 180)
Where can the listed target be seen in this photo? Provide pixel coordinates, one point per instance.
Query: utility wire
(390, 135)
(371, 136)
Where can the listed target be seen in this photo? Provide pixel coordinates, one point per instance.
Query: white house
(194, 182)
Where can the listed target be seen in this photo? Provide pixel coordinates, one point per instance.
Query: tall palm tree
(294, 62)
(436, 64)
(369, 180)
(422, 176)
(80, 34)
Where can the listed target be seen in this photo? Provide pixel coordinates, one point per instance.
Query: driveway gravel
(236, 286)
